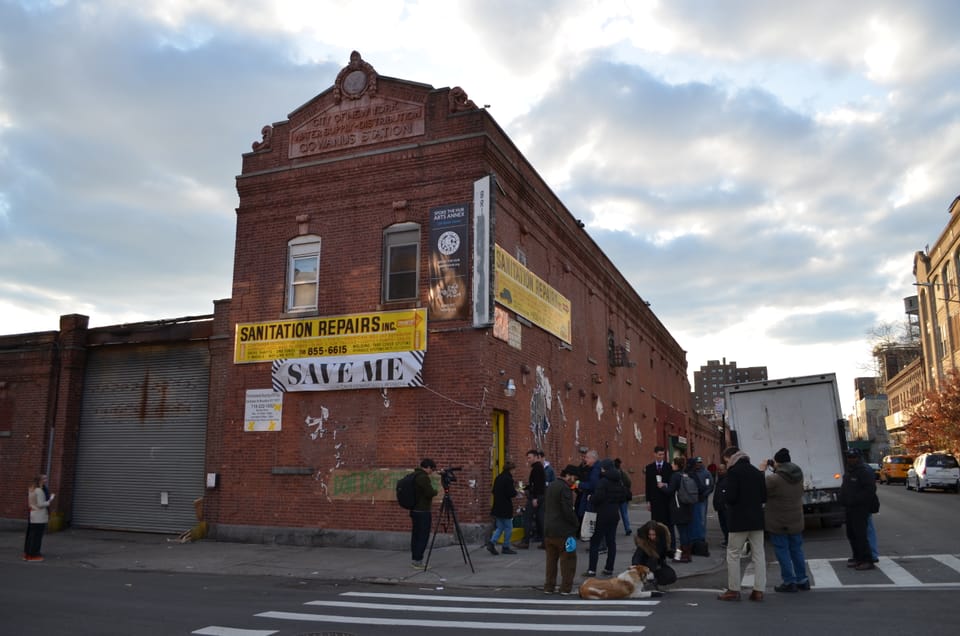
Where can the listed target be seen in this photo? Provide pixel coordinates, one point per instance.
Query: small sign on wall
(263, 410)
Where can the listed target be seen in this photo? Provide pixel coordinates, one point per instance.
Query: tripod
(448, 514)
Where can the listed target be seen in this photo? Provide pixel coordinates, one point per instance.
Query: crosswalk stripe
(823, 576)
(896, 573)
(948, 560)
(215, 630)
(527, 611)
(398, 622)
(506, 601)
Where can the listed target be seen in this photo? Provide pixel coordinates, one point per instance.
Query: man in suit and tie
(657, 475)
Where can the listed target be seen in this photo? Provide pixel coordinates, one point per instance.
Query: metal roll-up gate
(140, 461)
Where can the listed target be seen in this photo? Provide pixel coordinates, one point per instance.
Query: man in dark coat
(532, 513)
(658, 501)
(420, 516)
(746, 492)
(857, 493)
(560, 523)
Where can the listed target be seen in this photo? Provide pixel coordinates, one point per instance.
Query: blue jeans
(503, 527)
(625, 516)
(698, 527)
(789, 551)
(872, 538)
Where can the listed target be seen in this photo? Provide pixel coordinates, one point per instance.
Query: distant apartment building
(709, 381)
(868, 430)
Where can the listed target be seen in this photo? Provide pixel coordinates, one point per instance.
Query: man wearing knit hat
(783, 520)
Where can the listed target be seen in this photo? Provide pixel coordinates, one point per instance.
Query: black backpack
(407, 491)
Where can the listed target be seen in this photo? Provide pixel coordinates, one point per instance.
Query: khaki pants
(556, 552)
(735, 543)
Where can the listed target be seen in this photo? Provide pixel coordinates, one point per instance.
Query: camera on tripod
(447, 475)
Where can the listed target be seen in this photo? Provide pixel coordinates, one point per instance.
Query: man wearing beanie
(783, 519)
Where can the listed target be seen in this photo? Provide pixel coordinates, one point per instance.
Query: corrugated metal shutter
(142, 434)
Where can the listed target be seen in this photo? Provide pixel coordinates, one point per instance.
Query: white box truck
(801, 414)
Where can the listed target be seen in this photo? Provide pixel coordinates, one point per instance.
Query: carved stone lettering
(353, 124)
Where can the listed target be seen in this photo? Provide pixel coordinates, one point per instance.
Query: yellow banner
(349, 334)
(522, 291)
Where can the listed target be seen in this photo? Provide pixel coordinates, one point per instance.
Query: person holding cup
(656, 476)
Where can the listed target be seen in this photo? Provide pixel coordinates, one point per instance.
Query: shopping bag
(588, 525)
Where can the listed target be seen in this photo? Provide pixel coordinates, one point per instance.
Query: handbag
(588, 525)
(665, 575)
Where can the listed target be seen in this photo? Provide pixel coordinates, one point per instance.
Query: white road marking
(948, 560)
(822, 574)
(215, 630)
(896, 573)
(404, 622)
(508, 601)
(526, 611)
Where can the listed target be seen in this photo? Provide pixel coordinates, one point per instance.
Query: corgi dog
(629, 584)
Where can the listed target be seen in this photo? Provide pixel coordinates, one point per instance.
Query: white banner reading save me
(371, 371)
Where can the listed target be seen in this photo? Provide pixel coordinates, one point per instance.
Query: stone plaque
(352, 124)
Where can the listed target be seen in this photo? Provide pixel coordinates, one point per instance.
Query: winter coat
(746, 494)
(680, 513)
(559, 516)
(858, 489)
(720, 494)
(503, 494)
(784, 511)
(706, 483)
(425, 490)
(608, 496)
(649, 553)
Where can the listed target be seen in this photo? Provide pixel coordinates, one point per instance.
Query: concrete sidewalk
(129, 551)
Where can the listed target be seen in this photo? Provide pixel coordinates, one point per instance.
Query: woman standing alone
(39, 517)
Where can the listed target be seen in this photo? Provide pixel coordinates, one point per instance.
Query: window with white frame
(303, 273)
(401, 261)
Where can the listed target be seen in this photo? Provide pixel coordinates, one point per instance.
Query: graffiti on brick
(370, 485)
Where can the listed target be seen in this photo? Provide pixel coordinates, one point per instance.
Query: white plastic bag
(588, 525)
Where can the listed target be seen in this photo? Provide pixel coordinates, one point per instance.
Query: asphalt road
(916, 587)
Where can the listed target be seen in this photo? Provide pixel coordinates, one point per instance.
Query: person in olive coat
(784, 521)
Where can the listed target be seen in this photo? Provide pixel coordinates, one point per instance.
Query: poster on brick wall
(262, 410)
(448, 261)
(376, 371)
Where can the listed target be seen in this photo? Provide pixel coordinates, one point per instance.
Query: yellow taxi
(894, 468)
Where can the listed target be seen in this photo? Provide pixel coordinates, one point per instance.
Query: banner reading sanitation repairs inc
(331, 336)
(375, 371)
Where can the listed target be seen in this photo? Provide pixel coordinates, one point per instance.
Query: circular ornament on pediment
(354, 82)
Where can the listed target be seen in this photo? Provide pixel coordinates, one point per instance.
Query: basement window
(303, 273)
(401, 262)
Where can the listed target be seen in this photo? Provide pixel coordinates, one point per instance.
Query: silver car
(934, 470)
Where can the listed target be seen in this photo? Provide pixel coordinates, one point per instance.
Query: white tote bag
(588, 525)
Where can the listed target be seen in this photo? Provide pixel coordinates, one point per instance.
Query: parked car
(894, 468)
(876, 469)
(934, 470)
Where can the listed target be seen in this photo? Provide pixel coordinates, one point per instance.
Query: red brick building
(406, 286)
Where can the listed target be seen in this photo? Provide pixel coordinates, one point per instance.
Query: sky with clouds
(762, 172)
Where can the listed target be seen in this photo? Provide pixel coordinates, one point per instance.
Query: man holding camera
(420, 515)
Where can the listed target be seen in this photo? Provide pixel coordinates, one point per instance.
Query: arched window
(303, 273)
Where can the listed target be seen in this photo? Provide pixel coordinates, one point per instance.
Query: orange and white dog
(630, 584)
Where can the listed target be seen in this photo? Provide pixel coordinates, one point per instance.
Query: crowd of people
(589, 501)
